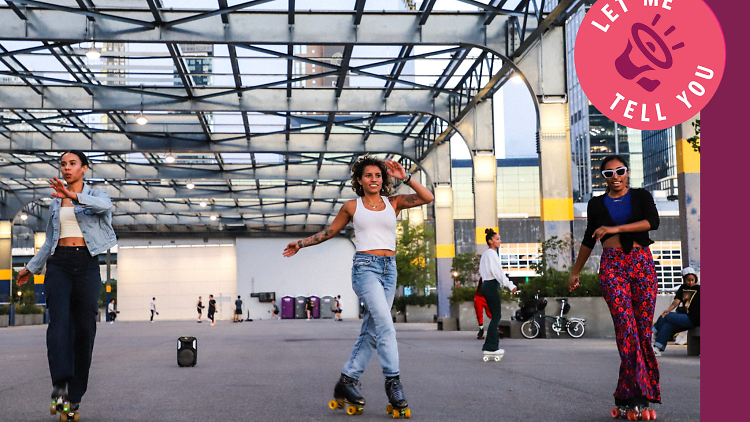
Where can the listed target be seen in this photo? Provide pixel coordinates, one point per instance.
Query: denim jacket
(93, 210)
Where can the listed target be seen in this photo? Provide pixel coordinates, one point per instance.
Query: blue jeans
(374, 282)
(668, 326)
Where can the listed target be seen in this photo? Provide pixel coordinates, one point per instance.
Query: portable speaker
(187, 351)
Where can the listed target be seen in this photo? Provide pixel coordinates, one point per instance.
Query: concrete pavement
(285, 371)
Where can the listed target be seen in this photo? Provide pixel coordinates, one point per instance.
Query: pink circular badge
(650, 64)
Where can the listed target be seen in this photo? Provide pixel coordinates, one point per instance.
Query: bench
(694, 342)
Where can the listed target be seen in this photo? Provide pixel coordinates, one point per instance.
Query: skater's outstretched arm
(342, 219)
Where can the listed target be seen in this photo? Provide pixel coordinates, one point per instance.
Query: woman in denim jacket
(79, 229)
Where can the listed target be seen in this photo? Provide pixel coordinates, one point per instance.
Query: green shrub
(554, 283)
(466, 294)
(400, 302)
(462, 294)
(29, 309)
(4, 310)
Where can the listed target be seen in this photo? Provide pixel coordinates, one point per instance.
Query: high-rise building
(199, 62)
(593, 136)
(660, 163)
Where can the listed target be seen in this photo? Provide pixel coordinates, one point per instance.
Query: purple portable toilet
(316, 306)
(287, 307)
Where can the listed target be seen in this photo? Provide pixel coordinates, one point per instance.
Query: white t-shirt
(111, 307)
(153, 305)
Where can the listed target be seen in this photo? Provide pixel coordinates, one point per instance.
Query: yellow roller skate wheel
(53, 409)
(359, 412)
(333, 404)
(407, 413)
(63, 417)
(388, 409)
(395, 414)
(76, 417)
(351, 410)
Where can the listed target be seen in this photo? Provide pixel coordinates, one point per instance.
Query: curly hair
(359, 168)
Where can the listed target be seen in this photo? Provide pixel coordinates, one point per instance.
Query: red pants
(480, 305)
(629, 286)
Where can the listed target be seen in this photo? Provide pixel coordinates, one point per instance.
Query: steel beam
(269, 100)
(261, 27)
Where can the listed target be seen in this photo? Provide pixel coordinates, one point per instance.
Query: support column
(6, 262)
(689, 193)
(555, 171)
(438, 167)
(477, 129)
(485, 197)
(40, 298)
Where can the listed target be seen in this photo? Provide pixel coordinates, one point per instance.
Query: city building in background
(593, 136)
(660, 163)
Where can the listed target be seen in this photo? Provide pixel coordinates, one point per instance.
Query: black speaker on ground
(187, 351)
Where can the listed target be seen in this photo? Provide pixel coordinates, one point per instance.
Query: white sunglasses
(608, 174)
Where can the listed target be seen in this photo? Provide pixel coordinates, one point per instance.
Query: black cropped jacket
(643, 208)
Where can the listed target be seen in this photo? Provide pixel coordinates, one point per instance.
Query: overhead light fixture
(141, 119)
(93, 53)
(203, 204)
(169, 158)
(24, 216)
(213, 218)
(190, 184)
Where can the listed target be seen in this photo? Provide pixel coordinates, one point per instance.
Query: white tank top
(375, 229)
(68, 223)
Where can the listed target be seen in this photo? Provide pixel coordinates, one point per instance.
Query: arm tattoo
(410, 199)
(317, 238)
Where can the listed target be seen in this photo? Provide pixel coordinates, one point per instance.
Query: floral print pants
(628, 285)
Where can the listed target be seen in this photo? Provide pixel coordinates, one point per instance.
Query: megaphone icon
(629, 70)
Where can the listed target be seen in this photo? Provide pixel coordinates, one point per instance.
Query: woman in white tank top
(373, 273)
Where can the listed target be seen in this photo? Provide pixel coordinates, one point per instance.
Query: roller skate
(480, 334)
(71, 414)
(395, 392)
(633, 413)
(59, 403)
(490, 355)
(346, 394)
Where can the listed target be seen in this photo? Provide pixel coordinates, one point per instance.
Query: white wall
(322, 270)
(176, 274)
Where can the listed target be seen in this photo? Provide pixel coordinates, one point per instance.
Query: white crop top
(68, 223)
(375, 229)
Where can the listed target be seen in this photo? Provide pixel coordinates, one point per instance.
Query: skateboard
(351, 408)
(633, 414)
(398, 413)
(488, 358)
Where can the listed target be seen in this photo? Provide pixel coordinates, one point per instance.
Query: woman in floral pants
(621, 219)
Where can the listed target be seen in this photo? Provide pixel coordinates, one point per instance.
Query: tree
(415, 256)
(466, 268)
(695, 141)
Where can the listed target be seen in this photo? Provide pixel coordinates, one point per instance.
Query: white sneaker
(498, 352)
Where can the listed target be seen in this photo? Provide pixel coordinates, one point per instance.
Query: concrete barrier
(29, 319)
(596, 313)
(467, 316)
(4, 319)
(416, 313)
